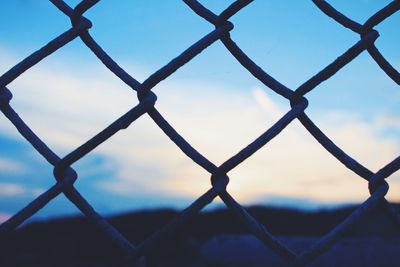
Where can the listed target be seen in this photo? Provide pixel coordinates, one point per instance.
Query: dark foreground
(215, 238)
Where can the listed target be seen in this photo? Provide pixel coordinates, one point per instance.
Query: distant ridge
(75, 239)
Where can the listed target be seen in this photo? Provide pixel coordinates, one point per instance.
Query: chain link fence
(65, 176)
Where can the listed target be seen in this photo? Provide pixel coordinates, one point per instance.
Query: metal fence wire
(65, 175)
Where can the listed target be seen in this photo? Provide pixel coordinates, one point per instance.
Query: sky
(212, 101)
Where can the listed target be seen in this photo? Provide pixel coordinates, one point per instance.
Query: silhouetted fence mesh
(65, 175)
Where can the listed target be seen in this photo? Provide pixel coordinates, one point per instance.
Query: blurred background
(212, 101)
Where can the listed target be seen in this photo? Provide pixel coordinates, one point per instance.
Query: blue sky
(212, 101)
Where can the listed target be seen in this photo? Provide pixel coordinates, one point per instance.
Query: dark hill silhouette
(75, 242)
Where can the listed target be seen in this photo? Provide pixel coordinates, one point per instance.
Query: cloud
(388, 122)
(67, 108)
(4, 217)
(267, 104)
(8, 166)
(16, 190)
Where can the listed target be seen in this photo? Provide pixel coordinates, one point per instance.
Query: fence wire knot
(5, 97)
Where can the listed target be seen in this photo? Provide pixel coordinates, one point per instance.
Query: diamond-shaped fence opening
(65, 175)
